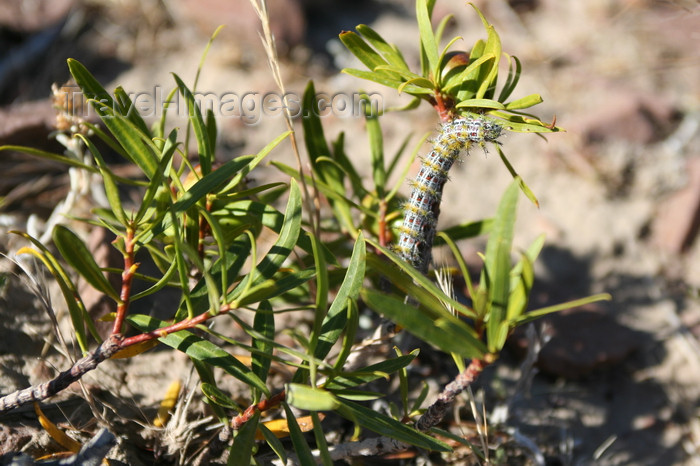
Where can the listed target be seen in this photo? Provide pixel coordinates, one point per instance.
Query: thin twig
(127, 278)
(436, 412)
(238, 421)
(47, 389)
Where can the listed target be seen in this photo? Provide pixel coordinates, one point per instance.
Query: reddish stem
(238, 421)
(127, 278)
(443, 108)
(383, 231)
(165, 331)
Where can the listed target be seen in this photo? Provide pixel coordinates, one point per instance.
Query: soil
(619, 201)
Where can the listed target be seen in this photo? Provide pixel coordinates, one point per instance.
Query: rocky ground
(615, 383)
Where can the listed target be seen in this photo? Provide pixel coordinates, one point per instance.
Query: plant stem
(436, 412)
(238, 421)
(127, 278)
(48, 389)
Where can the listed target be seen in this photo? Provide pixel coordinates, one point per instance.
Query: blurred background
(619, 191)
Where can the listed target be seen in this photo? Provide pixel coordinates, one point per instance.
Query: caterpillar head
(481, 130)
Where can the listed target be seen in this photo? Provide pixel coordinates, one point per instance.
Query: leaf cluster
(453, 81)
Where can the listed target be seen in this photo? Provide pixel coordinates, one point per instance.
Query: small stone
(678, 217)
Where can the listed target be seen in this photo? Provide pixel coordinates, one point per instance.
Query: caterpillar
(423, 207)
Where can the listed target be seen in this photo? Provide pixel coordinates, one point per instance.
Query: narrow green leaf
(206, 375)
(427, 37)
(460, 261)
(440, 30)
(388, 51)
(524, 102)
(418, 402)
(271, 288)
(288, 236)
(210, 182)
(523, 187)
(536, 314)
(243, 443)
(164, 281)
(167, 103)
(77, 254)
(220, 398)
(113, 144)
(465, 84)
(314, 137)
(525, 123)
(343, 161)
(300, 446)
(309, 398)
(320, 438)
(358, 395)
(514, 69)
(274, 443)
(156, 183)
(417, 82)
(359, 47)
(254, 162)
(338, 197)
(317, 147)
(321, 306)
(521, 285)
(376, 150)
(389, 80)
(110, 184)
(370, 373)
(50, 156)
(351, 326)
(444, 330)
(87, 82)
(481, 104)
(335, 320)
(211, 130)
(496, 278)
(264, 323)
(200, 129)
(137, 145)
(384, 425)
(414, 283)
(394, 72)
(488, 74)
(129, 110)
(403, 387)
(530, 255)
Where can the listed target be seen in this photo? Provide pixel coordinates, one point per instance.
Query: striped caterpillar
(423, 207)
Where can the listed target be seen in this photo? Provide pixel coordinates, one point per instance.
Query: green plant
(201, 233)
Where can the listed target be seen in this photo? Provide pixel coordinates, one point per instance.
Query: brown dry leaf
(280, 428)
(57, 434)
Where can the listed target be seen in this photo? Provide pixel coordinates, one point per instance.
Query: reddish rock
(630, 116)
(27, 123)
(678, 217)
